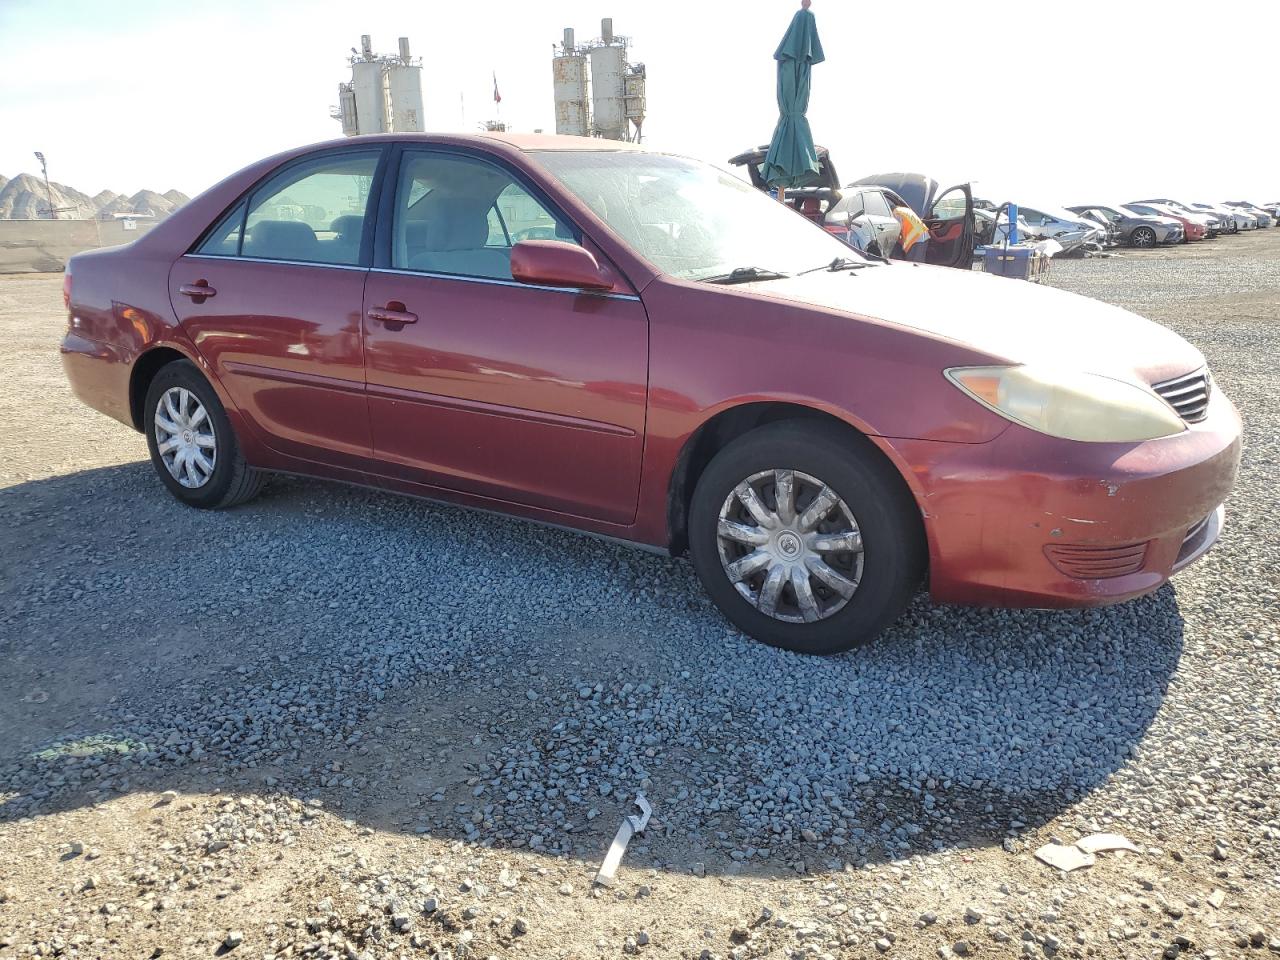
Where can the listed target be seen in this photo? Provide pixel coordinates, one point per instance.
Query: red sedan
(637, 345)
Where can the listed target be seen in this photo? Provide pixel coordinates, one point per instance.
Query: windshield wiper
(744, 275)
(839, 263)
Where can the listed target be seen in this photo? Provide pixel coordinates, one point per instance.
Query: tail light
(66, 289)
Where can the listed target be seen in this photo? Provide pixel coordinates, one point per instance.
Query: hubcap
(790, 546)
(184, 437)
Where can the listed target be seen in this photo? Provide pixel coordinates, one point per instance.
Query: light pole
(48, 192)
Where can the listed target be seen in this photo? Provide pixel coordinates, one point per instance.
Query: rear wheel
(1143, 237)
(805, 537)
(193, 448)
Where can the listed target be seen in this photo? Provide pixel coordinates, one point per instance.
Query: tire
(871, 494)
(1142, 237)
(231, 481)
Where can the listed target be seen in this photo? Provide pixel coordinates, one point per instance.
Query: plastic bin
(1018, 262)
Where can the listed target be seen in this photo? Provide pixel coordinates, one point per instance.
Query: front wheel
(1143, 237)
(193, 448)
(805, 537)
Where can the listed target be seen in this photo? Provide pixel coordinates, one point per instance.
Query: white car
(1235, 220)
(1069, 229)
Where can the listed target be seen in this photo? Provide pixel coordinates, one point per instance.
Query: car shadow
(320, 642)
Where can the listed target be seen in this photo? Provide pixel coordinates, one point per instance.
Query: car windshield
(689, 219)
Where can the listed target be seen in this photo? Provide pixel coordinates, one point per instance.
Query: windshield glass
(689, 219)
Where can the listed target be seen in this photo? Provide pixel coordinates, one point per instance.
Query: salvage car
(1137, 230)
(863, 218)
(1263, 216)
(687, 365)
(948, 214)
(1193, 225)
(1064, 226)
(1215, 225)
(1235, 220)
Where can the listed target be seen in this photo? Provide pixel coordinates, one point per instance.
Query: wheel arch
(725, 426)
(144, 371)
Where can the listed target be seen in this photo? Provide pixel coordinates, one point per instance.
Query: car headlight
(1070, 405)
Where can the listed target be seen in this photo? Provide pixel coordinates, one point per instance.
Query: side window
(313, 212)
(1030, 215)
(224, 239)
(876, 205)
(460, 216)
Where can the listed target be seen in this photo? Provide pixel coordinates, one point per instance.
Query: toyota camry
(637, 345)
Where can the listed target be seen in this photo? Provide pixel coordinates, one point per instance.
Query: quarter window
(313, 212)
(461, 216)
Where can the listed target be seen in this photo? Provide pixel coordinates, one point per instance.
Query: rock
(167, 798)
(883, 945)
(1065, 858)
(90, 882)
(1257, 937)
(430, 905)
(566, 890)
(972, 915)
(1217, 898)
(928, 918)
(809, 835)
(401, 921)
(962, 948)
(520, 927)
(233, 939)
(1102, 842)
(642, 938)
(739, 935)
(1219, 852)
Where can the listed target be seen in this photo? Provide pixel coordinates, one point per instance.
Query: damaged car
(947, 214)
(1137, 230)
(677, 361)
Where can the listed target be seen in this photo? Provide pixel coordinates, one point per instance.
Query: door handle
(393, 312)
(198, 291)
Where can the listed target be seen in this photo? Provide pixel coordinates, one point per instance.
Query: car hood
(1007, 319)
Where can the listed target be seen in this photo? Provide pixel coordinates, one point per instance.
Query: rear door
(272, 299)
(950, 223)
(517, 393)
(886, 226)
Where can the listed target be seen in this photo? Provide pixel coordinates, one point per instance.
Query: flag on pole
(497, 97)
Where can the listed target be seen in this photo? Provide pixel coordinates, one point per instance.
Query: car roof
(522, 142)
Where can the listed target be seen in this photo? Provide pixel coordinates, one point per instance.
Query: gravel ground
(335, 723)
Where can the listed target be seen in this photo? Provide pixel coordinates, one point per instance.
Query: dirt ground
(260, 733)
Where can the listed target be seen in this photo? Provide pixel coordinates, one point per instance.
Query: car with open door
(812, 200)
(948, 215)
(863, 217)
(637, 345)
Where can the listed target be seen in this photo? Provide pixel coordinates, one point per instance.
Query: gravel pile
(446, 696)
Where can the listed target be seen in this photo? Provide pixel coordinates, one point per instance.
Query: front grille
(1087, 562)
(1188, 395)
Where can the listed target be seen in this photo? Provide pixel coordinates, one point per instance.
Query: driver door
(951, 228)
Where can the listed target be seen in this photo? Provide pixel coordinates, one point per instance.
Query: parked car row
(862, 214)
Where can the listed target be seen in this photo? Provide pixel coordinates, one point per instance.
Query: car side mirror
(556, 263)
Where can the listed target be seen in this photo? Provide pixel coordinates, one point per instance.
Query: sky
(1053, 103)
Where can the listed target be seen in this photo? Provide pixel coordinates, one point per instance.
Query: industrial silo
(369, 83)
(404, 88)
(569, 78)
(608, 85)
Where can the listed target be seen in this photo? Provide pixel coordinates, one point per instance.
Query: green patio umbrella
(792, 160)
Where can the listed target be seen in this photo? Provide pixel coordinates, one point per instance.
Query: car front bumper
(1027, 520)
